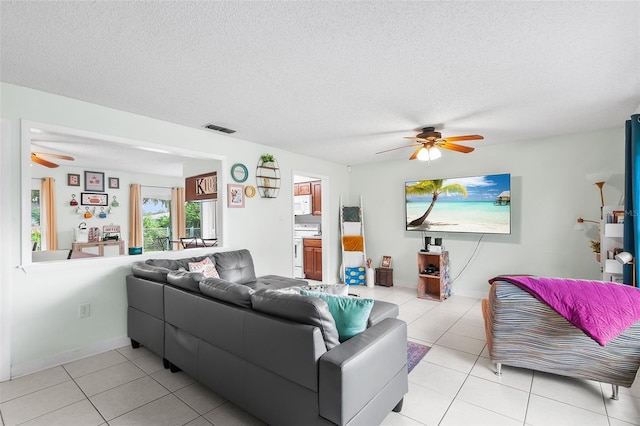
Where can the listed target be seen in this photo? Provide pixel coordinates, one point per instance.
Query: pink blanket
(601, 309)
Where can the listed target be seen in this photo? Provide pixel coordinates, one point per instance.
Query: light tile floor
(453, 385)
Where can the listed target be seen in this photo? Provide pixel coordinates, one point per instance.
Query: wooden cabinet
(434, 281)
(100, 248)
(384, 277)
(312, 258)
(313, 188)
(302, 188)
(316, 198)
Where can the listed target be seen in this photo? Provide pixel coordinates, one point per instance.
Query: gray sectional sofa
(261, 344)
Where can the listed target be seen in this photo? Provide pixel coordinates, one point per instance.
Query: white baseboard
(65, 357)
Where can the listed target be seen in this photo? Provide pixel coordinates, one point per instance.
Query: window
(200, 218)
(156, 218)
(36, 227)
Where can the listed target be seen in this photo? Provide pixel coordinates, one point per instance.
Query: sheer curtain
(632, 195)
(49, 214)
(135, 216)
(178, 215)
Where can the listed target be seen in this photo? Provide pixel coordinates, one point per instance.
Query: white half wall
(45, 297)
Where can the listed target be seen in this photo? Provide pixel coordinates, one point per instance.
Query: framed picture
(386, 261)
(73, 179)
(114, 183)
(93, 199)
(235, 195)
(94, 181)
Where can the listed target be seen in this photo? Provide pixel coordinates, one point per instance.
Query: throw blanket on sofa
(601, 309)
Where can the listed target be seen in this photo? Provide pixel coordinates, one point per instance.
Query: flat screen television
(477, 204)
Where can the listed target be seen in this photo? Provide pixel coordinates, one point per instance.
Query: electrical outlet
(84, 310)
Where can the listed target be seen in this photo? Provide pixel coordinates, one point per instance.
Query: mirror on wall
(90, 176)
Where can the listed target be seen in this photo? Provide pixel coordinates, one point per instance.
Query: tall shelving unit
(352, 226)
(611, 242)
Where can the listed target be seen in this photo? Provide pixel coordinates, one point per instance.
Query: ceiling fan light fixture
(428, 154)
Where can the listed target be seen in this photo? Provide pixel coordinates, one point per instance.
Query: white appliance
(300, 231)
(301, 204)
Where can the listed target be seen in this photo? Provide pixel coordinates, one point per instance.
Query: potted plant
(267, 160)
(595, 247)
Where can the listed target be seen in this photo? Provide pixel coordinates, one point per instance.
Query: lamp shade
(599, 176)
(428, 154)
(423, 154)
(624, 257)
(579, 226)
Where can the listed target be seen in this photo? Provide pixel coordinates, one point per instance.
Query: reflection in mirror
(82, 210)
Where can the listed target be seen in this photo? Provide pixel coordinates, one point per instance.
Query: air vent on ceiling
(218, 128)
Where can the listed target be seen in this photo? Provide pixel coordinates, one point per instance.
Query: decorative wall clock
(239, 172)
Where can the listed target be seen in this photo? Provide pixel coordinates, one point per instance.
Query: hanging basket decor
(268, 177)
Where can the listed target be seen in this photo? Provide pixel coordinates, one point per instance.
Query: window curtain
(49, 203)
(135, 216)
(631, 195)
(178, 215)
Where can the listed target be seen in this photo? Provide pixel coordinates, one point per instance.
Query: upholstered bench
(525, 332)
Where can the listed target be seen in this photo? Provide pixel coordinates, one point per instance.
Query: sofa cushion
(349, 313)
(185, 279)
(157, 269)
(235, 266)
(238, 294)
(205, 267)
(288, 304)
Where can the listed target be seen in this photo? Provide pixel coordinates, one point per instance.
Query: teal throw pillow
(349, 313)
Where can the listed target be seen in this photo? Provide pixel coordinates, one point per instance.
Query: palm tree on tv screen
(433, 188)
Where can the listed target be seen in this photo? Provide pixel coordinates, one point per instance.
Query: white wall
(45, 328)
(549, 191)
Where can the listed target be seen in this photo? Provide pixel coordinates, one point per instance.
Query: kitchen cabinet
(302, 188)
(312, 258)
(316, 198)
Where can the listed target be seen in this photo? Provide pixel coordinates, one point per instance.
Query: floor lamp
(626, 258)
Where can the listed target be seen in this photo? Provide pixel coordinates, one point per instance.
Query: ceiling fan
(37, 157)
(429, 140)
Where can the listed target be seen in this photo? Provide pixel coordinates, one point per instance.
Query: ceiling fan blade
(42, 162)
(455, 147)
(400, 147)
(46, 154)
(414, 138)
(463, 138)
(415, 153)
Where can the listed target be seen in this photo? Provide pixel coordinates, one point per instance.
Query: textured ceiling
(338, 80)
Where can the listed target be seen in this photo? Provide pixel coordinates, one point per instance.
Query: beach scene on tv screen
(479, 204)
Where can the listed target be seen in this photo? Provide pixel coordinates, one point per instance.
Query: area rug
(415, 352)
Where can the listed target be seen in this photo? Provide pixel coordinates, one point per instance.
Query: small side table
(384, 277)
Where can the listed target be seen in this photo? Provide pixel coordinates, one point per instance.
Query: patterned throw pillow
(205, 267)
(355, 276)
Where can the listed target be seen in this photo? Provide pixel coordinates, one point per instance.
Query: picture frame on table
(386, 262)
(93, 199)
(114, 183)
(235, 196)
(73, 179)
(93, 181)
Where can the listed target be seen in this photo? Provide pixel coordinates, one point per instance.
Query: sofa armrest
(150, 272)
(356, 371)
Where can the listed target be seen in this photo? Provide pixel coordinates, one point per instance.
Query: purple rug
(415, 352)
